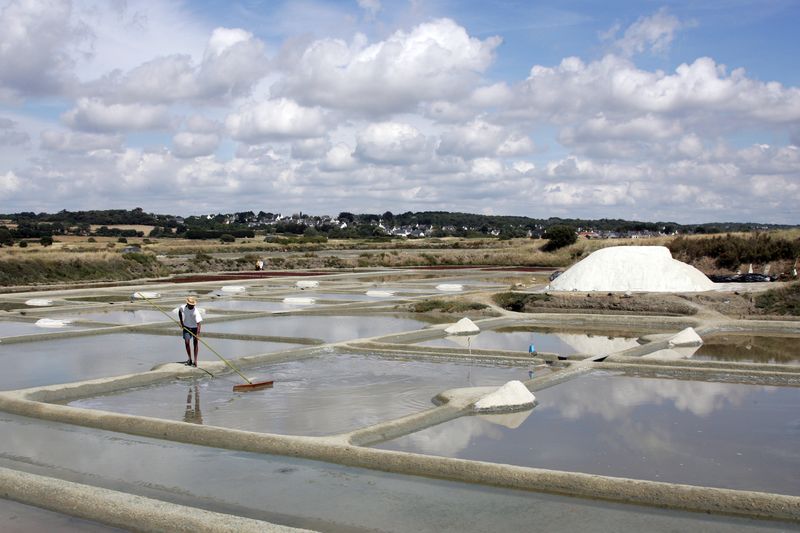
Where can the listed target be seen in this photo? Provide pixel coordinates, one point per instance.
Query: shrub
(91, 239)
(513, 301)
(559, 237)
(47, 240)
(227, 237)
(784, 301)
(23, 244)
(5, 237)
(122, 240)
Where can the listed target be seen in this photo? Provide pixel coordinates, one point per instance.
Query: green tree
(558, 237)
(47, 240)
(5, 236)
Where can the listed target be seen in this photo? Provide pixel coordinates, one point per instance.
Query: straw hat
(191, 300)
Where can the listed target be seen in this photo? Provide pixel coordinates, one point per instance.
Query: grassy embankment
(45, 267)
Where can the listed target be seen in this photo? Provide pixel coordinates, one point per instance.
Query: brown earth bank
(780, 303)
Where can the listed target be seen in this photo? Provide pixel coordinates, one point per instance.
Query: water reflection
(192, 412)
(564, 343)
(318, 396)
(717, 434)
(751, 348)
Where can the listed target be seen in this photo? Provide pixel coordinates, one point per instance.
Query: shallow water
(750, 349)
(516, 339)
(714, 434)
(118, 316)
(18, 518)
(248, 305)
(327, 328)
(314, 494)
(12, 329)
(32, 364)
(318, 396)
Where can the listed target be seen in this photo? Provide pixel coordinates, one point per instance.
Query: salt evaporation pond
(309, 494)
(750, 349)
(65, 360)
(544, 340)
(120, 316)
(698, 433)
(12, 329)
(247, 305)
(328, 328)
(18, 517)
(322, 395)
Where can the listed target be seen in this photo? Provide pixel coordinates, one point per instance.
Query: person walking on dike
(190, 327)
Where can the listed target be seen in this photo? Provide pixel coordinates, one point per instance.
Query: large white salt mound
(450, 287)
(465, 326)
(632, 268)
(512, 395)
(306, 284)
(686, 337)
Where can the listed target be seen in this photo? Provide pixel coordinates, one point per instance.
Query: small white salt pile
(306, 284)
(232, 288)
(145, 295)
(686, 337)
(380, 294)
(450, 287)
(511, 396)
(52, 323)
(465, 326)
(298, 301)
(632, 268)
(39, 302)
(682, 345)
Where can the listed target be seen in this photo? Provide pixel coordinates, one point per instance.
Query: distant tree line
(731, 251)
(346, 225)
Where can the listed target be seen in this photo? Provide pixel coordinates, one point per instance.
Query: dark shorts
(189, 336)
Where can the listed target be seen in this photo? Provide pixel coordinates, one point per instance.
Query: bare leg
(196, 349)
(188, 349)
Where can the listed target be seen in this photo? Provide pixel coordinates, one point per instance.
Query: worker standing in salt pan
(190, 319)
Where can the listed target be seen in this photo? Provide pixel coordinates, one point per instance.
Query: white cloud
(76, 142)
(339, 157)
(10, 135)
(234, 60)
(281, 118)
(95, 115)
(310, 148)
(9, 182)
(36, 45)
(694, 92)
(187, 144)
(391, 143)
(370, 6)
(479, 138)
(654, 33)
(434, 61)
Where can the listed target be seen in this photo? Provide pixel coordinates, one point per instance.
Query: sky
(657, 111)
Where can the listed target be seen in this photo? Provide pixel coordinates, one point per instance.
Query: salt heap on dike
(632, 268)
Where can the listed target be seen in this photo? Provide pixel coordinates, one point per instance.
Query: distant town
(345, 225)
